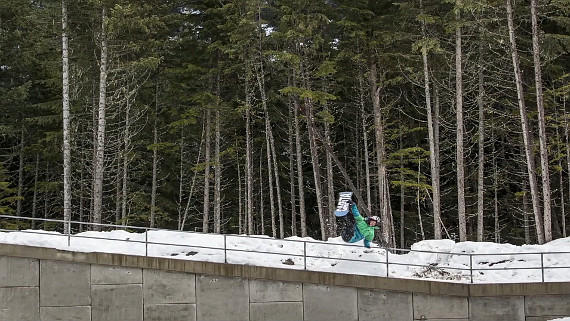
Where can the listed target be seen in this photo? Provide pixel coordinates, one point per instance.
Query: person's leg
(348, 228)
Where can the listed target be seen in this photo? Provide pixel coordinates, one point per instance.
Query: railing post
(68, 233)
(387, 263)
(225, 250)
(471, 267)
(542, 265)
(146, 243)
(305, 255)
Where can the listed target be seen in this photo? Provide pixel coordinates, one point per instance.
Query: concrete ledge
(288, 275)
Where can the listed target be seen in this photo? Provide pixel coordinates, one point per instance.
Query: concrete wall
(48, 285)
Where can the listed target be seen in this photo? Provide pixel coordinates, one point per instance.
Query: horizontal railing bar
(510, 269)
(426, 266)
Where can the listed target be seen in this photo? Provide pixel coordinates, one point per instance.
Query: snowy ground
(442, 260)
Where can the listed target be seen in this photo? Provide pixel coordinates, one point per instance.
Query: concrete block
(22, 272)
(65, 313)
(540, 305)
(496, 308)
(20, 304)
(546, 318)
(276, 311)
(162, 287)
(170, 312)
(379, 305)
(440, 307)
(105, 274)
(222, 298)
(117, 302)
(64, 284)
(271, 291)
(330, 303)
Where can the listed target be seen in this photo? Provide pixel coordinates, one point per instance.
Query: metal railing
(464, 269)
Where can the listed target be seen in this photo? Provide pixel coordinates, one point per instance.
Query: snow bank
(445, 260)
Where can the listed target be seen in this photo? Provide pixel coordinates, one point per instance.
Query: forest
(448, 119)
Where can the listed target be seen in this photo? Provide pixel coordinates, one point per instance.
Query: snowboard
(343, 204)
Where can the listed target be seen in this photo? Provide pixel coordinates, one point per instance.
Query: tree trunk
(316, 163)
(275, 169)
(418, 198)
(460, 158)
(292, 168)
(299, 161)
(436, 198)
(541, 123)
(311, 129)
(277, 189)
(562, 203)
(248, 152)
(81, 199)
(99, 165)
(271, 141)
(154, 163)
(385, 213)
(35, 199)
(497, 228)
(240, 197)
(218, 178)
(261, 201)
(402, 207)
(525, 219)
(481, 166)
(272, 170)
(207, 160)
(331, 218)
(496, 203)
(193, 184)
(525, 128)
(218, 164)
(20, 175)
(46, 199)
(566, 134)
(365, 125)
(560, 178)
(125, 165)
(66, 119)
(181, 182)
(437, 178)
(118, 193)
(270, 174)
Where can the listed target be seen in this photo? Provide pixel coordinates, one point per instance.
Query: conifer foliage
(449, 119)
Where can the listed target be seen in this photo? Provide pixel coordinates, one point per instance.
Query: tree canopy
(250, 116)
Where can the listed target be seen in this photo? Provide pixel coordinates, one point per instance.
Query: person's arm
(369, 235)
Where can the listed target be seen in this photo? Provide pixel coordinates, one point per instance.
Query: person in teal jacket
(357, 228)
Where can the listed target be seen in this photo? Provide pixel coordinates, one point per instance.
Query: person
(357, 228)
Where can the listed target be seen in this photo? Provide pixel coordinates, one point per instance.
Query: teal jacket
(362, 230)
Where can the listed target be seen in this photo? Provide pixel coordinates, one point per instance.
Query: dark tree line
(447, 118)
